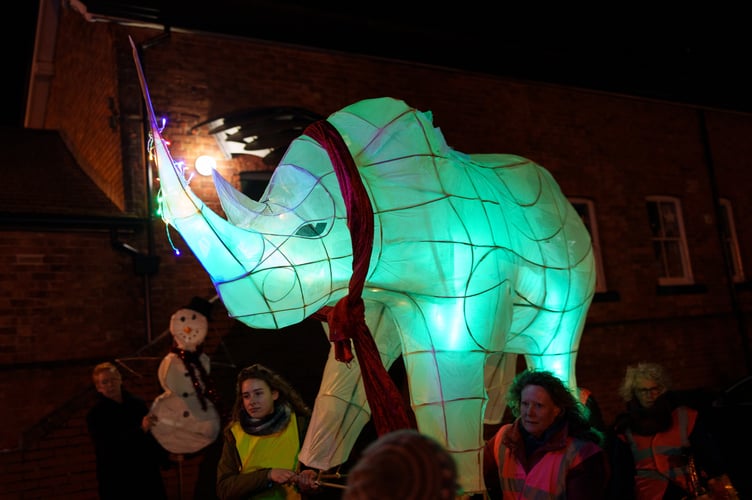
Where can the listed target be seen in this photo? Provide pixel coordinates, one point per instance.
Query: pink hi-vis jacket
(546, 476)
(658, 458)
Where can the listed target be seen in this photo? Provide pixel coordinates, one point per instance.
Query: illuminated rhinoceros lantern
(472, 256)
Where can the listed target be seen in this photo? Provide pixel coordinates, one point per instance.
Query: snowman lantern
(186, 413)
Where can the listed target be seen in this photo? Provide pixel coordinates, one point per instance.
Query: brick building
(90, 272)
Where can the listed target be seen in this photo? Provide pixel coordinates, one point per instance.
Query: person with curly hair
(262, 440)
(661, 447)
(550, 450)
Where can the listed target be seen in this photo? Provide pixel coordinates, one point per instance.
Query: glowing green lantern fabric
(473, 256)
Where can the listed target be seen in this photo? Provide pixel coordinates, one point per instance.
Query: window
(669, 242)
(731, 244)
(253, 183)
(586, 210)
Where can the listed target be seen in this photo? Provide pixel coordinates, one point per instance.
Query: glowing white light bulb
(205, 164)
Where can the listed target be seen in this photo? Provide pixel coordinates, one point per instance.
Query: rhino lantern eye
(311, 230)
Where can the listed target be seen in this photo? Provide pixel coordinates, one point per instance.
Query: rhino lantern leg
(448, 397)
(341, 410)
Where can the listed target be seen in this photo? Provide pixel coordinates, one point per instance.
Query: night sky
(18, 43)
(695, 58)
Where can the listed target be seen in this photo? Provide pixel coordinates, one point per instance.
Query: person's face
(258, 397)
(108, 385)
(647, 391)
(537, 410)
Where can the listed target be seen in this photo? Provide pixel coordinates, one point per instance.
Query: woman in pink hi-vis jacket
(550, 450)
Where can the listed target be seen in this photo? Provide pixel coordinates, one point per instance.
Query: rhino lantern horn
(257, 280)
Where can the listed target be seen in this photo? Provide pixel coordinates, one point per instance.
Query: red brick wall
(69, 300)
(83, 101)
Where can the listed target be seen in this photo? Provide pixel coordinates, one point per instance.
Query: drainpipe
(148, 183)
(741, 322)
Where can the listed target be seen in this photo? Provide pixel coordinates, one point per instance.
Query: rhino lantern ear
(311, 230)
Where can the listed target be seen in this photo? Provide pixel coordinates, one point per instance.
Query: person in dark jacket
(661, 448)
(262, 440)
(129, 460)
(550, 450)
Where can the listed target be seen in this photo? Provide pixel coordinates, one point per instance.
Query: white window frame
(586, 209)
(728, 230)
(667, 206)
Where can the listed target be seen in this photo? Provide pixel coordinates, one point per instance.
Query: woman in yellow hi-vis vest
(261, 443)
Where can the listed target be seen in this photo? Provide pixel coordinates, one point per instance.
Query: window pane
(670, 220)
(660, 260)
(731, 244)
(654, 219)
(674, 267)
(585, 209)
(668, 240)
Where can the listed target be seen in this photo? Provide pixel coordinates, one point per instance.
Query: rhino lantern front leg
(341, 410)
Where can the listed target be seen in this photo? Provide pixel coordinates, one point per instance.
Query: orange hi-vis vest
(547, 478)
(660, 458)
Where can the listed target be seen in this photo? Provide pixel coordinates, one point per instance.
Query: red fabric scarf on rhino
(347, 318)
